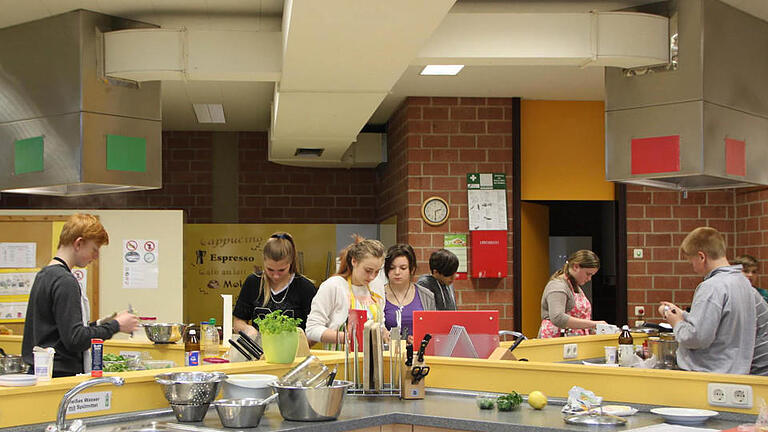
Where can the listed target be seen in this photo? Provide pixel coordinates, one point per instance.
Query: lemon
(537, 400)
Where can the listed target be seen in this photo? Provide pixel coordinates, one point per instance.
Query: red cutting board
(479, 324)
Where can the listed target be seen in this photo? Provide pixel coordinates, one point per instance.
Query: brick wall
(273, 193)
(433, 143)
(751, 224)
(657, 222)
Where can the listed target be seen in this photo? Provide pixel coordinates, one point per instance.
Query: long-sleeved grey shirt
(718, 334)
(760, 357)
(556, 301)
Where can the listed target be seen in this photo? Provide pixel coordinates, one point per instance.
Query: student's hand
(128, 321)
(671, 313)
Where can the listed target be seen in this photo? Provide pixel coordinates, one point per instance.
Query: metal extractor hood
(64, 128)
(704, 123)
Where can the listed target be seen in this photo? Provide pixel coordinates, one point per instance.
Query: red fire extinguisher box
(488, 252)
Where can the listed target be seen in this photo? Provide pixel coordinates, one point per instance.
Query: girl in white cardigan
(354, 286)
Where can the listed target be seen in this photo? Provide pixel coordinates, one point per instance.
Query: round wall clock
(435, 211)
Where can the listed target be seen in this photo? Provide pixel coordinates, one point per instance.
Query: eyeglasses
(282, 236)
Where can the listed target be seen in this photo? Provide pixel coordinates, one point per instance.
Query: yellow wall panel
(563, 151)
(535, 263)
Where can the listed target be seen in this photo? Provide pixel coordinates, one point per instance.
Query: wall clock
(435, 211)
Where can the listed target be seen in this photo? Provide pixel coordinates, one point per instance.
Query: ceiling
(247, 104)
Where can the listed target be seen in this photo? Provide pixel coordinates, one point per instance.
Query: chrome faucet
(77, 425)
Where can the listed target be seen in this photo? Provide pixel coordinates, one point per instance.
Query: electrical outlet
(570, 351)
(637, 253)
(639, 311)
(729, 395)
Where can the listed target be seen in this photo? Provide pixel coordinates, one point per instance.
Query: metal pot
(664, 348)
(12, 364)
(311, 403)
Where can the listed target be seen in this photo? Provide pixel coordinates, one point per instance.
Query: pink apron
(582, 309)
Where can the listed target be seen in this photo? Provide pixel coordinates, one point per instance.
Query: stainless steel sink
(164, 427)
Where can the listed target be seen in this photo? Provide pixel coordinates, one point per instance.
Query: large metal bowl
(311, 403)
(163, 333)
(191, 388)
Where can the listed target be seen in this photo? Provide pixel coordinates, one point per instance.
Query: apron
(369, 304)
(581, 309)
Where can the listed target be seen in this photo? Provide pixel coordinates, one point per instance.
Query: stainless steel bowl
(311, 403)
(240, 413)
(12, 364)
(163, 333)
(191, 388)
(190, 413)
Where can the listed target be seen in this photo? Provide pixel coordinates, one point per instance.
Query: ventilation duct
(703, 124)
(64, 128)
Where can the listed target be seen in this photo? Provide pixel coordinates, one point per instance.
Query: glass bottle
(626, 347)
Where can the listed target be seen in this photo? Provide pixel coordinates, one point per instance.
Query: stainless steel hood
(703, 125)
(65, 129)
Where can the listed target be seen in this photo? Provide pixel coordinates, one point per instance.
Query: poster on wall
(487, 201)
(13, 310)
(219, 257)
(140, 263)
(18, 255)
(16, 283)
(457, 243)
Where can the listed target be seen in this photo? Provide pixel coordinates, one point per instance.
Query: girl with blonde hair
(563, 303)
(278, 287)
(354, 286)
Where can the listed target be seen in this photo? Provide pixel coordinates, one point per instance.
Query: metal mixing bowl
(311, 403)
(12, 364)
(164, 332)
(190, 413)
(240, 413)
(191, 388)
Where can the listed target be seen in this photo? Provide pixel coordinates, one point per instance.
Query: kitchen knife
(246, 346)
(409, 355)
(423, 347)
(520, 337)
(242, 351)
(251, 343)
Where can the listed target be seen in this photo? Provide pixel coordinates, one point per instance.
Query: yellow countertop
(628, 385)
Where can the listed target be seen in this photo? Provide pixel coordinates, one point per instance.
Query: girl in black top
(278, 287)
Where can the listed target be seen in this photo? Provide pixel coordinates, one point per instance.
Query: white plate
(684, 416)
(18, 380)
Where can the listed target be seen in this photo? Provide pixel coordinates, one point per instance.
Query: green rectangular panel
(28, 155)
(126, 153)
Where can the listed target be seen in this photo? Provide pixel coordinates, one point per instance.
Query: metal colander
(191, 388)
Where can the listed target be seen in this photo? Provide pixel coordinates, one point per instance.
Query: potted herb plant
(279, 336)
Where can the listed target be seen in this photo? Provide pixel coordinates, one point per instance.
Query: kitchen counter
(441, 409)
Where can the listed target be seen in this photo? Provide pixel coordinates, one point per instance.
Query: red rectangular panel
(735, 157)
(656, 154)
(479, 324)
(488, 250)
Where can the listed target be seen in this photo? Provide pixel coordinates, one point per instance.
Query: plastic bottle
(192, 349)
(203, 337)
(211, 346)
(626, 347)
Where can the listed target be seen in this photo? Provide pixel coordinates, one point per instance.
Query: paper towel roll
(227, 318)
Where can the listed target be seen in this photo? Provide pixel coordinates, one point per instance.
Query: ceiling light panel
(441, 69)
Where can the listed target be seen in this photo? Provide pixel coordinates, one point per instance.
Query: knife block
(408, 390)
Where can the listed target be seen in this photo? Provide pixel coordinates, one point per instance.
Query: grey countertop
(441, 408)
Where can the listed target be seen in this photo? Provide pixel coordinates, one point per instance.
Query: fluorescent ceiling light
(209, 113)
(441, 69)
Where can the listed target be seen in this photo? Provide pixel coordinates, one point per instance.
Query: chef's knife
(251, 343)
(423, 347)
(242, 351)
(409, 355)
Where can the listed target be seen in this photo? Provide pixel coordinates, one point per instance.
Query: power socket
(570, 351)
(729, 395)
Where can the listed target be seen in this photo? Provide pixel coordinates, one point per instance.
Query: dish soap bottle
(192, 349)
